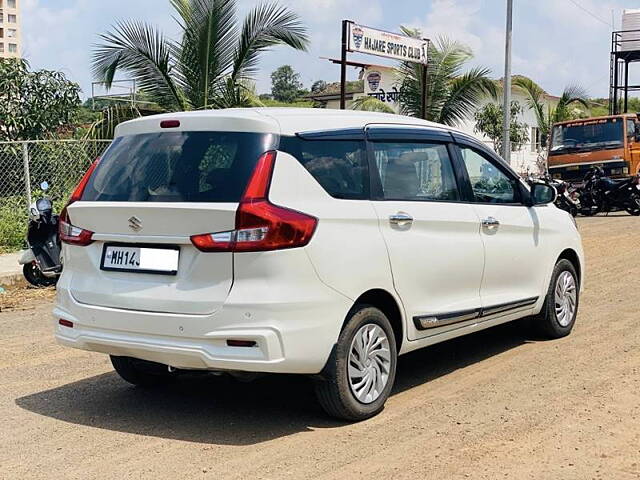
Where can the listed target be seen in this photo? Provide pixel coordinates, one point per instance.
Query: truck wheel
(558, 314)
(140, 372)
(360, 372)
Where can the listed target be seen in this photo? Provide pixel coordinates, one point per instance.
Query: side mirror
(542, 194)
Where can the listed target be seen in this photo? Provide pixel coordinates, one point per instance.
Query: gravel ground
(492, 405)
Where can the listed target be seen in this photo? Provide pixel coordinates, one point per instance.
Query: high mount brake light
(69, 233)
(170, 124)
(260, 225)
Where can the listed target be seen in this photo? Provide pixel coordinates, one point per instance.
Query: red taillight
(69, 233)
(260, 225)
(65, 323)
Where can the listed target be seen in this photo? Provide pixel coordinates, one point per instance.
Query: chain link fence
(24, 166)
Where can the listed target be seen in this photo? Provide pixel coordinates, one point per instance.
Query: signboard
(386, 44)
(381, 83)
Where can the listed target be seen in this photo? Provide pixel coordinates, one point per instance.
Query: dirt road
(492, 405)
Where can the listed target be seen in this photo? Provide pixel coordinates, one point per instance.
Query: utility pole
(506, 135)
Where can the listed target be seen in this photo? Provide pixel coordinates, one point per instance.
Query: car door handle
(400, 219)
(490, 223)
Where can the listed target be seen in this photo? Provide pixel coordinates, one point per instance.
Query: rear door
(153, 191)
(432, 237)
(511, 232)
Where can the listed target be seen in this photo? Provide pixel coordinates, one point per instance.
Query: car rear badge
(135, 224)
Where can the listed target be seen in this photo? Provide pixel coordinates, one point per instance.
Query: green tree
(318, 86)
(490, 122)
(451, 93)
(34, 105)
(562, 111)
(285, 84)
(213, 63)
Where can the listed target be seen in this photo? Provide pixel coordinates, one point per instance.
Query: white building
(379, 81)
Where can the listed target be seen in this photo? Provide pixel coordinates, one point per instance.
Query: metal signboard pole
(343, 65)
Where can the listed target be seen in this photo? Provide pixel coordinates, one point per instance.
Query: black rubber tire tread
(634, 211)
(546, 323)
(141, 373)
(332, 390)
(34, 276)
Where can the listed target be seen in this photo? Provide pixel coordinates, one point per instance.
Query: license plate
(140, 259)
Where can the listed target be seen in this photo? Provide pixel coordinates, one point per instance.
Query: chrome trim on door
(401, 219)
(504, 307)
(426, 322)
(490, 222)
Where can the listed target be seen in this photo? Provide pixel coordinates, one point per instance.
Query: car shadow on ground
(224, 411)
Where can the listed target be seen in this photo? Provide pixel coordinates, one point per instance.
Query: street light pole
(506, 134)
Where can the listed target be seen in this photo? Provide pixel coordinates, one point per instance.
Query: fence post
(27, 175)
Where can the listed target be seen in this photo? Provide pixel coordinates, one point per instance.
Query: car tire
(558, 314)
(140, 372)
(340, 390)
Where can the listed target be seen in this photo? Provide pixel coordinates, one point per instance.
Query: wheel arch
(572, 256)
(387, 303)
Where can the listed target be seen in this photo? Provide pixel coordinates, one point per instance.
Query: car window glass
(177, 167)
(488, 183)
(415, 171)
(339, 166)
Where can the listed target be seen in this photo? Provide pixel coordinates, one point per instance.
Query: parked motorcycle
(41, 260)
(603, 194)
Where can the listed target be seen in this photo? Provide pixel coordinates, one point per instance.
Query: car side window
(488, 182)
(415, 171)
(339, 166)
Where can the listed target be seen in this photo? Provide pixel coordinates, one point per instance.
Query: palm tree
(451, 94)
(371, 104)
(211, 65)
(545, 118)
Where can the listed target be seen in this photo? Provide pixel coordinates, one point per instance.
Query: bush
(13, 223)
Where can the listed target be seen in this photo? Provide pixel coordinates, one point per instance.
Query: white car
(306, 241)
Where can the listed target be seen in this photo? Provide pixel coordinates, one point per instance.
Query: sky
(555, 42)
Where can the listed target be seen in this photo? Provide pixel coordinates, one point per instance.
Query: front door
(510, 232)
(433, 239)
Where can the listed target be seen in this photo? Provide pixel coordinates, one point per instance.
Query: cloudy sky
(556, 42)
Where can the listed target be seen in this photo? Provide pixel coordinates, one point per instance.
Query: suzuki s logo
(135, 224)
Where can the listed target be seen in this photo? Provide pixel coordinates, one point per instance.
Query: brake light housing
(68, 232)
(260, 225)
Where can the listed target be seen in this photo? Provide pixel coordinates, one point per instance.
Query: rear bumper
(294, 324)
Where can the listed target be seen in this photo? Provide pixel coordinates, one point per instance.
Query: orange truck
(611, 142)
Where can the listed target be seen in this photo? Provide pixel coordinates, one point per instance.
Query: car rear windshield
(177, 167)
